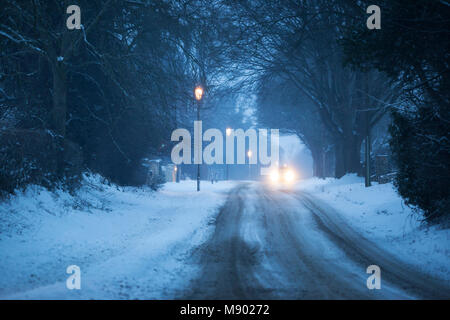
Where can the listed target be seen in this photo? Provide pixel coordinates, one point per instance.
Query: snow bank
(129, 242)
(380, 215)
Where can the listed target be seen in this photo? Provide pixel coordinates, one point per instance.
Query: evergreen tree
(413, 47)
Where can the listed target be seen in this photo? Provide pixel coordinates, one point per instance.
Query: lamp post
(198, 92)
(228, 131)
(177, 174)
(249, 154)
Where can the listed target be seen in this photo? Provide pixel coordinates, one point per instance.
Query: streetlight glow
(228, 131)
(198, 93)
(249, 153)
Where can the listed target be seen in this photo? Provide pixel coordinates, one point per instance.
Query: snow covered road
(230, 241)
(275, 244)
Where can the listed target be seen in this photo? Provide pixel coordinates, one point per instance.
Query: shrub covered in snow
(37, 157)
(421, 148)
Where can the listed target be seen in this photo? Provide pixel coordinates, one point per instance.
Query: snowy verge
(380, 215)
(128, 242)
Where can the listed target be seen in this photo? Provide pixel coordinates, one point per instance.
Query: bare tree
(299, 41)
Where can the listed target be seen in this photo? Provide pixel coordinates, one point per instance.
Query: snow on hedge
(380, 215)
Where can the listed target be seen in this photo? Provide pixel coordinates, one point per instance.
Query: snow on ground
(380, 215)
(128, 242)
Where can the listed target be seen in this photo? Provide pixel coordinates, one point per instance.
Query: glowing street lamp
(177, 172)
(228, 132)
(198, 92)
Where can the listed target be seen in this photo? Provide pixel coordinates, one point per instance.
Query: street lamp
(177, 174)
(249, 154)
(198, 92)
(228, 132)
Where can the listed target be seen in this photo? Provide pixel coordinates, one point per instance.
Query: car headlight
(289, 176)
(274, 176)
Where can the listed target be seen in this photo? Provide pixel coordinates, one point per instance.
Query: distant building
(154, 170)
(170, 172)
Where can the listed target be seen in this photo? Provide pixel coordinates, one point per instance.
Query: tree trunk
(367, 152)
(318, 168)
(348, 156)
(59, 111)
(367, 161)
(326, 164)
